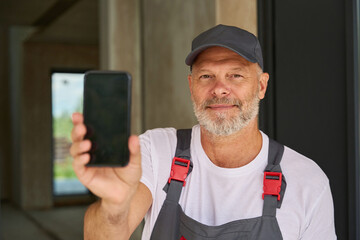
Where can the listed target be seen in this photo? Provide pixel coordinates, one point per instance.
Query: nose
(220, 89)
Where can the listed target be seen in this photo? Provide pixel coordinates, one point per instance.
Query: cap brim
(193, 54)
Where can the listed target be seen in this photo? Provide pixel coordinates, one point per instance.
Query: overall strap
(183, 143)
(181, 165)
(274, 180)
(167, 225)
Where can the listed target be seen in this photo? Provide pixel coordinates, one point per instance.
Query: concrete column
(17, 36)
(169, 27)
(120, 47)
(240, 13)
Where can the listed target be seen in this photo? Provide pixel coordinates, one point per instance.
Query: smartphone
(106, 109)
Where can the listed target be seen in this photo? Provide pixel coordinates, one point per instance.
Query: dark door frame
(267, 37)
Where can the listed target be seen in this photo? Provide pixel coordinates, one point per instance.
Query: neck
(235, 150)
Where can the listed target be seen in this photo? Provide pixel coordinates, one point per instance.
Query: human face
(226, 90)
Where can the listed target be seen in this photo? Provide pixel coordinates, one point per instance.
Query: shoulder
(303, 173)
(157, 148)
(297, 164)
(161, 135)
(157, 135)
(156, 132)
(307, 199)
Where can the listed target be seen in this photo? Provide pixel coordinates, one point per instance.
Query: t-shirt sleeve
(147, 177)
(320, 221)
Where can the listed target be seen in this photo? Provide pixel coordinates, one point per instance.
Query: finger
(79, 164)
(78, 148)
(78, 132)
(134, 148)
(81, 160)
(77, 118)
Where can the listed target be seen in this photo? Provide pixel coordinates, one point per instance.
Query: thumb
(134, 148)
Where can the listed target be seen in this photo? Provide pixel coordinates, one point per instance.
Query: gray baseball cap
(236, 39)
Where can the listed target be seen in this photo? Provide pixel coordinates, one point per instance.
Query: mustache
(229, 101)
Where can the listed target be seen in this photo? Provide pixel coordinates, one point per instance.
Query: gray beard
(224, 125)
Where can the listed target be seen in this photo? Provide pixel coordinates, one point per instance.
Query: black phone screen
(107, 117)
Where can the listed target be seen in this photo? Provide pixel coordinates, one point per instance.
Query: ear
(190, 83)
(263, 82)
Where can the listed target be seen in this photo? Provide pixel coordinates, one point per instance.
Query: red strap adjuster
(272, 184)
(179, 169)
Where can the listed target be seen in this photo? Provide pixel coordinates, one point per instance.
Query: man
(223, 197)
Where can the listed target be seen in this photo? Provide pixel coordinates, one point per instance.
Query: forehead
(220, 55)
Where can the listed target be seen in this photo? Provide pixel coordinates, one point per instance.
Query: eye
(236, 76)
(205, 76)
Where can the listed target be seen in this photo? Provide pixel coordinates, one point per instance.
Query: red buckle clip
(179, 169)
(272, 184)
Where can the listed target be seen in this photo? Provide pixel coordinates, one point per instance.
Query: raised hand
(114, 185)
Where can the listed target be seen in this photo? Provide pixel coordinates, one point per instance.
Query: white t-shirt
(215, 195)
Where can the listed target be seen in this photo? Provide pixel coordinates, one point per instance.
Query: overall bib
(173, 224)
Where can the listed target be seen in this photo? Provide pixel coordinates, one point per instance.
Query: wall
(241, 13)
(35, 169)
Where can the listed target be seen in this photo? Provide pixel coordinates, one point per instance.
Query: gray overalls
(173, 224)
